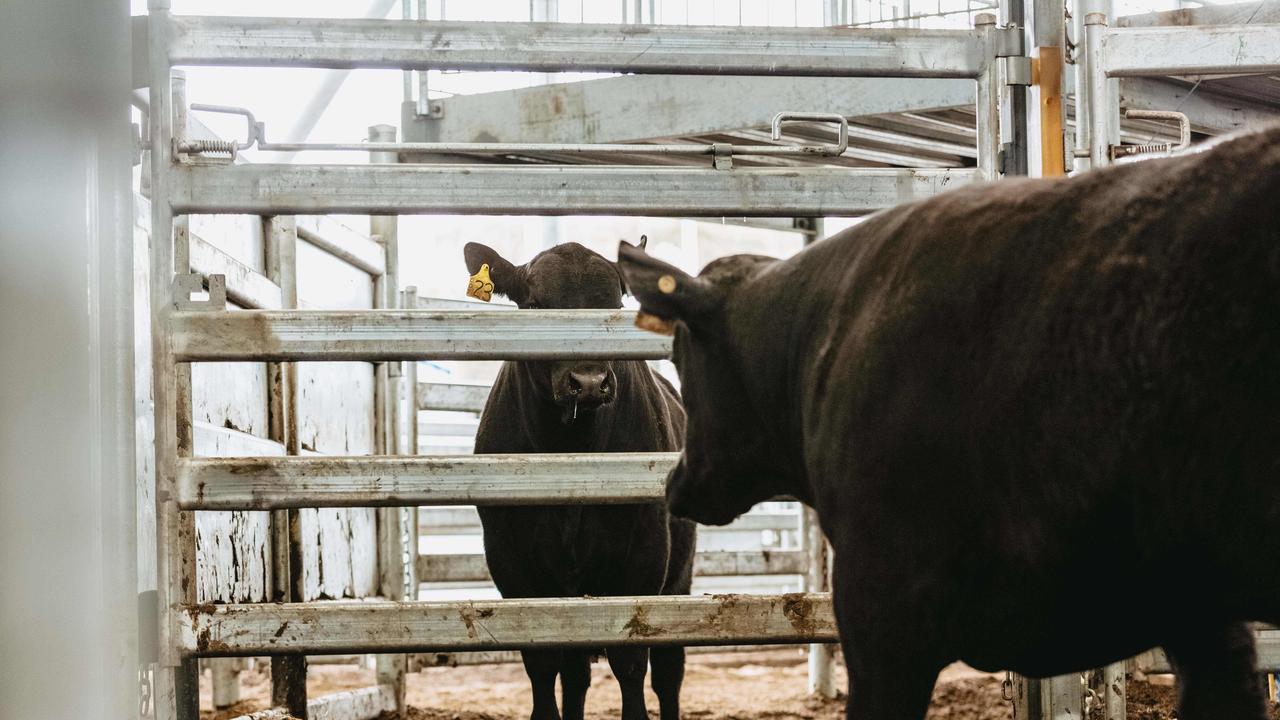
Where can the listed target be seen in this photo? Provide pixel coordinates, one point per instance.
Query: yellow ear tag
(481, 287)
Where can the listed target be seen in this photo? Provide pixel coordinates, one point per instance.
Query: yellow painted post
(1047, 75)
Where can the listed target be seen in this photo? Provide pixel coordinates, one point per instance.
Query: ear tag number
(481, 287)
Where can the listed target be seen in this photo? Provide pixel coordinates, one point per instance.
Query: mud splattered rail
(344, 627)
(262, 483)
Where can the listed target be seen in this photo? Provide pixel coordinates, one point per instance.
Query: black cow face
(567, 276)
(730, 460)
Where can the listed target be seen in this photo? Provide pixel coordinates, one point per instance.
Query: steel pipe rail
(473, 568)
(550, 190)
(286, 335)
(268, 483)
(455, 397)
(1211, 50)
(323, 628)
(562, 47)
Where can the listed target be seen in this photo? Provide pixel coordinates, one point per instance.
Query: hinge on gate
(186, 285)
(1010, 42)
(1017, 70)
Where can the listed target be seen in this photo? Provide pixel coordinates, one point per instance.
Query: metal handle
(256, 129)
(842, 142)
(1184, 126)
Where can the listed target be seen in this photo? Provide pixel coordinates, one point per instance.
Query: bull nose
(591, 385)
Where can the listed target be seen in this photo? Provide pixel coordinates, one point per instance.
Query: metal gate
(186, 330)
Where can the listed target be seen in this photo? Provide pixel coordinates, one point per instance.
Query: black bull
(1014, 407)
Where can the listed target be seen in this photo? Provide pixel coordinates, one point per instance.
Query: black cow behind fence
(582, 406)
(1039, 421)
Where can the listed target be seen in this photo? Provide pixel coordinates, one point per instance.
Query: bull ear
(622, 279)
(665, 292)
(507, 279)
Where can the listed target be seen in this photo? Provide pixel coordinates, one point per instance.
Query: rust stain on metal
(638, 625)
(798, 609)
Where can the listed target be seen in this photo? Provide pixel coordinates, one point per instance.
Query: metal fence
(187, 330)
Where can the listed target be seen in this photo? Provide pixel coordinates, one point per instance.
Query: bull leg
(892, 663)
(629, 665)
(542, 666)
(575, 678)
(668, 676)
(886, 684)
(1217, 678)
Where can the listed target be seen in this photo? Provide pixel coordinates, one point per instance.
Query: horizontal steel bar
(1268, 649)
(1214, 50)
(456, 397)
(283, 335)
(344, 627)
(577, 47)
(263, 483)
(246, 287)
(356, 251)
(473, 568)
(438, 521)
(550, 190)
(503, 657)
(368, 702)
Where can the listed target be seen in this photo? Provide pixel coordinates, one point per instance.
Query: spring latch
(199, 147)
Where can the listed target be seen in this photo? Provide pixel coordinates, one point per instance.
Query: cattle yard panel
(1126, 52)
(1130, 52)
(185, 331)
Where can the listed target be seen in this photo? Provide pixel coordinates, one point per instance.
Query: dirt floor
(731, 686)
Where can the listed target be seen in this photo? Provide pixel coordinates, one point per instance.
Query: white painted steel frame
(585, 47)
(555, 190)
(265, 483)
(343, 335)
(341, 627)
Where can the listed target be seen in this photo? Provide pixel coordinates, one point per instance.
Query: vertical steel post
(1081, 153)
(818, 579)
(176, 687)
(1098, 91)
(288, 672)
(424, 101)
(988, 105)
(391, 668)
(1015, 158)
(406, 13)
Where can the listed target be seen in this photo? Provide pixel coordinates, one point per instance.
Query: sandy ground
(732, 686)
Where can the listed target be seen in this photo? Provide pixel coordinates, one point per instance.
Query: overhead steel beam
(269, 483)
(1210, 50)
(1209, 112)
(576, 47)
(284, 335)
(344, 627)
(550, 190)
(640, 107)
